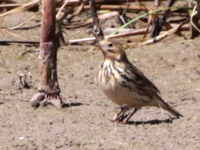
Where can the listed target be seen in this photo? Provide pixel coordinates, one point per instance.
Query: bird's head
(112, 50)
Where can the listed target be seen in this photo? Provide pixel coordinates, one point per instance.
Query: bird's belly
(123, 96)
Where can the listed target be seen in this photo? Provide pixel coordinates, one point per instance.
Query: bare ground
(173, 65)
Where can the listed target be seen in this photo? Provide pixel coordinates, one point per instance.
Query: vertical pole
(49, 87)
(48, 50)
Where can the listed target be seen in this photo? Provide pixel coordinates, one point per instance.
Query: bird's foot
(119, 118)
(123, 118)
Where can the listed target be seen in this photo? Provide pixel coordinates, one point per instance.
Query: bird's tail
(171, 110)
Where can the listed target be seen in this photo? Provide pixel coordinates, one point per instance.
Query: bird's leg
(120, 116)
(126, 119)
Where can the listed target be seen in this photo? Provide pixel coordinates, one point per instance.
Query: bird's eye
(110, 45)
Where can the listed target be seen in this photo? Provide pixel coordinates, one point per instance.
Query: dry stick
(193, 21)
(19, 42)
(131, 8)
(133, 32)
(119, 7)
(89, 21)
(27, 28)
(8, 1)
(122, 16)
(6, 31)
(15, 27)
(86, 7)
(97, 31)
(155, 21)
(161, 20)
(198, 11)
(62, 7)
(10, 5)
(101, 17)
(137, 31)
(76, 12)
(73, 2)
(100, 6)
(122, 32)
(21, 8)
(162, 36)
(79, 41)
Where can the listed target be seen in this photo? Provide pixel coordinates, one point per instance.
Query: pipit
(125, 84)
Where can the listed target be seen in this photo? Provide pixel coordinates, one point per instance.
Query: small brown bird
(126, 85)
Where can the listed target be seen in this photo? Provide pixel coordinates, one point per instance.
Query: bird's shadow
(64, 105)
(151, 122)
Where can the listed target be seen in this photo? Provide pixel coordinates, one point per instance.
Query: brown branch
(21, 8)
(19, 42)
(155, 21)
(10, 5)
(7, 1)
(194, 19)
(162, 36)
(76, 2)
(133, 32)
(89, 21)
(198, 11)
(122, 7)
(97, 31)
(129, 33)
(159, 22)
(73, 2)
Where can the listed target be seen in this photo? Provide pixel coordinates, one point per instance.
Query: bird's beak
(97, 45)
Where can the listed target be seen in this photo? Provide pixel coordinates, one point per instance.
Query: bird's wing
(142, 82)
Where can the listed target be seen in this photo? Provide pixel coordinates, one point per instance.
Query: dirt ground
(173, 65)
